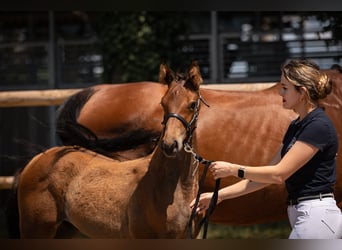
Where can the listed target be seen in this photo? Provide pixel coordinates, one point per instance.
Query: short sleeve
(315, 133)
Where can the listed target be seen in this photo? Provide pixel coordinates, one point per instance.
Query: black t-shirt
(319, 174)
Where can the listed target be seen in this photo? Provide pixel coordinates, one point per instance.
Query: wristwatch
(241, 173)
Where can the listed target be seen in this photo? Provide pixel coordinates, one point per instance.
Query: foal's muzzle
(170, 150)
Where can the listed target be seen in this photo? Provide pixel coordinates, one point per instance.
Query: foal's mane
(64, 151)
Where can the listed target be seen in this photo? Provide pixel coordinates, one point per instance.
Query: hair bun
(324, 87)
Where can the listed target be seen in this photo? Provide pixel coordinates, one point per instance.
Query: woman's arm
(299, 154)
(238, 189)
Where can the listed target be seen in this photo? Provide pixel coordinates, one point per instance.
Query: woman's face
(291, 97)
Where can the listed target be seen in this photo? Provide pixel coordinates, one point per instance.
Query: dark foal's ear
(194, 77)
(166, 75)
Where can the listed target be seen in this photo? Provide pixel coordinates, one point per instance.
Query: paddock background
(53, 53)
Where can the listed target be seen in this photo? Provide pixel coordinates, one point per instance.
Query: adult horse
(241, 127)
(103, 198)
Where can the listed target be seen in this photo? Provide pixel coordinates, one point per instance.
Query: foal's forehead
(179, 94)
(178, 90)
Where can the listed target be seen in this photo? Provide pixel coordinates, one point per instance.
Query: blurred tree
(133, 44)
(334, 23)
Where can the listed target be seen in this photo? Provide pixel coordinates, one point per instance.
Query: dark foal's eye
(192, 105)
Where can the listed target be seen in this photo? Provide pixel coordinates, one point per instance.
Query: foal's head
(181, 105)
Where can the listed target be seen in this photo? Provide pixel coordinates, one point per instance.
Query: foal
(147, 197)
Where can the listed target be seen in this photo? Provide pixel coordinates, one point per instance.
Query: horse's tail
(67, 128)
(72, 133)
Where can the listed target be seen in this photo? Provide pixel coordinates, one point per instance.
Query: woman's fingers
(203, 203)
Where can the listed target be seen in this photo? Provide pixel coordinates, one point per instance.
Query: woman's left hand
(203, 203)
(220, 169)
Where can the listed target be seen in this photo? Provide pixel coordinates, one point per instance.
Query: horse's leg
(38, 215)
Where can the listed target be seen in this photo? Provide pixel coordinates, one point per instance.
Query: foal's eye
(192, 106)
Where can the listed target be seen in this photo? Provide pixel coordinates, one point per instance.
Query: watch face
(241, 173)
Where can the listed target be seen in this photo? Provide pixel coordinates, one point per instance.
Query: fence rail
(6, 182)
(26, 98)
(49, 97)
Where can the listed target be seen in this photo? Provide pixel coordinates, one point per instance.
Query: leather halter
(189, 126)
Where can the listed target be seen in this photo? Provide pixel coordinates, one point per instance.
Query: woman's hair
(305, 73)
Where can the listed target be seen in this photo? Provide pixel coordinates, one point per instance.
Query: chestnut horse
(243, 127)
(103, 198)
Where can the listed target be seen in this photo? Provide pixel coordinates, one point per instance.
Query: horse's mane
(179, 76)
(62, 152)
(124, 141)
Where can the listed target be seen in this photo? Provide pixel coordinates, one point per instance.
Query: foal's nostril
(170, 149)
(175, 145)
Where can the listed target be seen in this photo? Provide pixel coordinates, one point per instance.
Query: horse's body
(240, 127)
(104, 198)
(134, 136)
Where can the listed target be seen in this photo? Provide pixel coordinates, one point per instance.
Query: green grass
(276, 230)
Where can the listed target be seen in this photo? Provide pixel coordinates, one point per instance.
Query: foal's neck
(178, 168)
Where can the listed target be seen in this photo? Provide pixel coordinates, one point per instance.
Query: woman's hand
(203, 203)
(220, 169)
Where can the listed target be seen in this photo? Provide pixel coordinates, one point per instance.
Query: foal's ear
(166, 75)
(195, 77)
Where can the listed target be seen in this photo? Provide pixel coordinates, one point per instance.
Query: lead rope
(213, 201)
(211, 208)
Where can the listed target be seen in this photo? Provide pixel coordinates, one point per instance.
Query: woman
(306, 160)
